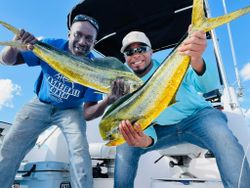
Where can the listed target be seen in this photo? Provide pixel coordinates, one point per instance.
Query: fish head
(134, 86)
(114, 137)
(109, 129)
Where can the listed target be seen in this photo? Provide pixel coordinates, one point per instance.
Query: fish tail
(212, 23)
(15, 31)
(10, 27)
(13, 44)
(198, 14)
(200, 22)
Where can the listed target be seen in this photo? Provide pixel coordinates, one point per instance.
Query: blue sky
(48, 19)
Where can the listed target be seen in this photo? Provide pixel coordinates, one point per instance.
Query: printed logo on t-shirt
(61, 88)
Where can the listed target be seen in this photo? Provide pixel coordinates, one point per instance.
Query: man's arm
(12, 55)
(200, 77)
(93, 110)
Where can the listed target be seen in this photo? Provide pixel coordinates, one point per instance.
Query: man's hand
(26, 39)
(94, 110)
(134, 135)
(194, 46)
(118, 89)
(11, 55)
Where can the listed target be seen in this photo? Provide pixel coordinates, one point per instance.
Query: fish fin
(198, 15)
(151, 124)
(13, 44)
(99, 92)
(10, 27)
(200, 22)
(173, 101)
(115, 142)
(111, 63)
(212, 23)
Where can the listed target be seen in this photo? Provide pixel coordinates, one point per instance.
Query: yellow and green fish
(145, 104)
(97, 73)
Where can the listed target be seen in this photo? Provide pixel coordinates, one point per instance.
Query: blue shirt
(188, 99)
(52, 87)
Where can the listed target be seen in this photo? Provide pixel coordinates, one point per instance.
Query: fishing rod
(236, 70)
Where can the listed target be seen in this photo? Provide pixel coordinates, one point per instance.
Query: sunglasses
(139, 50)
(82, 17)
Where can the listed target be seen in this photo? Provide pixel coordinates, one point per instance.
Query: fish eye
(135, 86)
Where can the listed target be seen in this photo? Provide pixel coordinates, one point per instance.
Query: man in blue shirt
(191, 119)
(58, 101)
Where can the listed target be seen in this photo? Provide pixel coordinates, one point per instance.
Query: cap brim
(124, 47)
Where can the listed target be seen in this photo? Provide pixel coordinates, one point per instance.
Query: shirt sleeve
(92, 96)
(206, 82)
(30, 58)
(150, 131)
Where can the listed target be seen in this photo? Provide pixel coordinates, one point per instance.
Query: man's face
(138, 62)
(82, 37)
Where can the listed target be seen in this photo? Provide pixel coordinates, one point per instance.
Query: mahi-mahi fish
(146, 103)
(97, 74)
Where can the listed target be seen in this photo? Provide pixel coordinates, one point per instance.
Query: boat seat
(185, 149)
(181, 155)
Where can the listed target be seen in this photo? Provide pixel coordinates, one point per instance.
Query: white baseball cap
(132, 37)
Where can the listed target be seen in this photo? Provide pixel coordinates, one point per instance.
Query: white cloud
(7, 91)
(245, 72)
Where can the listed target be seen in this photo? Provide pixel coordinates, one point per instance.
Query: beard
(144, 70)
(140, 71)
(82, 51)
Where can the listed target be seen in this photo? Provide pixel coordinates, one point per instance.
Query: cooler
(46, 174)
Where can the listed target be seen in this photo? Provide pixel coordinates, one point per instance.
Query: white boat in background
(185, 165)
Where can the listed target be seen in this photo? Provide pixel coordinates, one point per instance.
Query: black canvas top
(164, 21)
